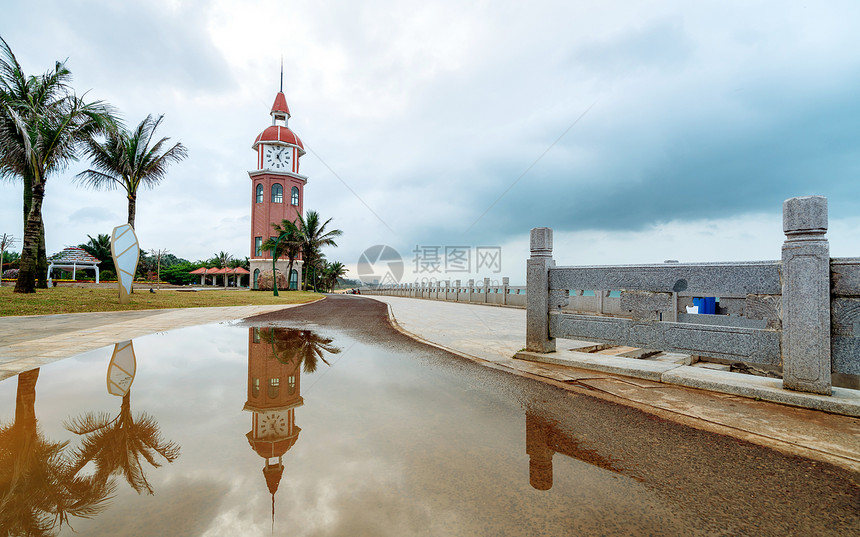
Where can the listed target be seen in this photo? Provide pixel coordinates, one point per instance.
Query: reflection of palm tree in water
(116, 445)
(39, 488)
(289, 345)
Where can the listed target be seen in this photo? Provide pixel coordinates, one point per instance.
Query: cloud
(429, 112)
(93, 215)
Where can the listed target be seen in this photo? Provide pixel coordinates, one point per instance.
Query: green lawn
(82, 299)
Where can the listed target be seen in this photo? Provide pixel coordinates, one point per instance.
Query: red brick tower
(277, 188)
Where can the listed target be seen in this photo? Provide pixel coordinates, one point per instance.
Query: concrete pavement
(32, 341)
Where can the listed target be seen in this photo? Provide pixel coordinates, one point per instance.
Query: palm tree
(116, 445)
(42, 126)
(314, 237)
(331, 272)
(289, 246)
(125, 159)
(99, 248)
(223, 259)
(39, 486)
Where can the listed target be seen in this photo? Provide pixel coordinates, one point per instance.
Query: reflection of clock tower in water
(273, 396)
(277, 188)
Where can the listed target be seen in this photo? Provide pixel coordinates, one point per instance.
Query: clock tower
(277, 188)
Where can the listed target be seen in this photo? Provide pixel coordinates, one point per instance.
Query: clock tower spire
(277, 188)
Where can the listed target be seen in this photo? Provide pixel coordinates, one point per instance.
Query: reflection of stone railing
(485, 292)
(781, 313)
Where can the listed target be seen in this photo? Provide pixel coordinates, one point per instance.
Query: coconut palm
(99, 247)
(223, 260)
(290, 244)
(117, 444)
(125, 159)
(42, 126)
(331, 272)
(39, 486)
(314, 238)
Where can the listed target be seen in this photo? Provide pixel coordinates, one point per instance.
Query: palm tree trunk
(42, 258)
(132, 209)
(30, 248)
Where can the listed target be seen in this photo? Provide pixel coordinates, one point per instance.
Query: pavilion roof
(208, 271)
(73, 255)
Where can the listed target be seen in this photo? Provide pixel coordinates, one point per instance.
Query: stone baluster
(537, 291)
(806, 296)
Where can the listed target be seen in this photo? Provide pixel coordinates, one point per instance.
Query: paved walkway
(496, 334)
(29, 342)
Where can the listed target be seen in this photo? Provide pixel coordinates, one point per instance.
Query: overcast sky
(638, 131)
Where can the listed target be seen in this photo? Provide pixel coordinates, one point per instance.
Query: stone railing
(782, 313)
(483, 293)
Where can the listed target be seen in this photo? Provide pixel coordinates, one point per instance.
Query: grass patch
(84, 299)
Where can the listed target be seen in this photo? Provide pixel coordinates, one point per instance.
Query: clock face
(272, 424)
(277, 157)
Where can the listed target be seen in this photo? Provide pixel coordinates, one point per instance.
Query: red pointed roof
(281, 104)
(201, 270)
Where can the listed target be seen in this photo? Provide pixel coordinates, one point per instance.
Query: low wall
(455, 291)
(801, 312)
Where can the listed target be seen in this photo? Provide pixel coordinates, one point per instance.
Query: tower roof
(280, 105)
(277, 133)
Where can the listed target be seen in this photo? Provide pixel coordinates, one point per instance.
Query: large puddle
(229, 430)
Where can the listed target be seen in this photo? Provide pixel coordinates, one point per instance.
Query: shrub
(11, 274)
(107, 275)
(178, 274)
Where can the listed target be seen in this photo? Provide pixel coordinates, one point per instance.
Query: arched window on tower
(295, 196)
(259, 193)
(274, 387)
(277, 193)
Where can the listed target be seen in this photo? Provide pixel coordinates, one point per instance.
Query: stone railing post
(471, 290)
(505, 284)
(806, 296)
(447, 288)
(486, 290)
(537, 291)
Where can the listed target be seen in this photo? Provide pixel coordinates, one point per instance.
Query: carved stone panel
(765, 307)
(645, 305)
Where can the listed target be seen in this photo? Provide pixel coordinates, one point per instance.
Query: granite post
(806, 296)
(537, 291)
(505, 284)
(486, 290)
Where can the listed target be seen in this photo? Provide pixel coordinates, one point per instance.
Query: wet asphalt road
(730, 487)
